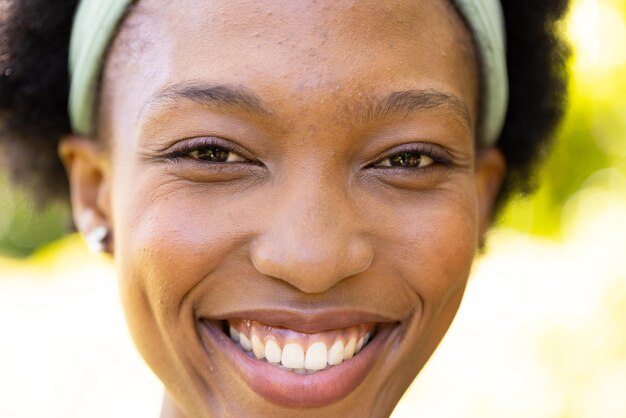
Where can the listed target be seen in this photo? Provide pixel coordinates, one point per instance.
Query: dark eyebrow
(408, 101)
(211, 95)
(236, 97)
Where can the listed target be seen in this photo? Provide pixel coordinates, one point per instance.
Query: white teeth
(348, 351)
(316, 357)
(257, 347)
(359, 345)
(293, 356)
(335, 354)
(245, 342)
(273, 353)
(234, 334)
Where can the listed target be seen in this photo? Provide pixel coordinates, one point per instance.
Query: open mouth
(319, 362)
(299, 352)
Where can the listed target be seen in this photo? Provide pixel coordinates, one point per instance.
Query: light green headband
(96, 23)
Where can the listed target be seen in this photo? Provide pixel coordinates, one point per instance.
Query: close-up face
(295, 197)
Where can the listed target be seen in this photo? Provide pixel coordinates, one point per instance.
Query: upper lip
(308, 321)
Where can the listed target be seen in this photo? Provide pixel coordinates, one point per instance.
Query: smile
(298, 361)
(299, 352)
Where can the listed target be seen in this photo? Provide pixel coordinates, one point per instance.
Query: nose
(312, 241)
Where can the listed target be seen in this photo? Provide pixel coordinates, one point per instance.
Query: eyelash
(431, 151)
(438, 156)
(183, 151)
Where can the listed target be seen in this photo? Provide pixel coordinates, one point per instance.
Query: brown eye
(406, 160)
(216, 154)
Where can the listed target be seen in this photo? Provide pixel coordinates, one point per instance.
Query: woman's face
(304, 173)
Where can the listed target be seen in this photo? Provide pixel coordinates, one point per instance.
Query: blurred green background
(540, 333)
(590, 150)
(22, 228)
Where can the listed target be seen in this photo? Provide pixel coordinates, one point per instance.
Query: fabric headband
(96, 22)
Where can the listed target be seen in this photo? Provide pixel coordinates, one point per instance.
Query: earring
(96, 239)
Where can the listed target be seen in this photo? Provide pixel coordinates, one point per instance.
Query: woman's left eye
(406, 159)
(216, 154)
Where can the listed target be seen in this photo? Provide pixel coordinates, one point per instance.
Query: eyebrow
(409, 101)
(239, 98)
(233, 97)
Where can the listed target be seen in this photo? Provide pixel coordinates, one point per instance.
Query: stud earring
(96, 239)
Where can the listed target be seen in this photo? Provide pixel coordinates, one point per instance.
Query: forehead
(295, 51)
(291, 22)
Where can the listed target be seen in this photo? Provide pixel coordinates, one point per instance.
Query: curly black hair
(34, 86)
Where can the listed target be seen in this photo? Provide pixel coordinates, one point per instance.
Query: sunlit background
(541, 332)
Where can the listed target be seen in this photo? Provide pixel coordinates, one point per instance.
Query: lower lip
(286, 388)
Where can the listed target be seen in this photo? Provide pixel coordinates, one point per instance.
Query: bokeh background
(541, 332)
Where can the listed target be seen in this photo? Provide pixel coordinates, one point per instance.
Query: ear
(89, 178)
(490, 171)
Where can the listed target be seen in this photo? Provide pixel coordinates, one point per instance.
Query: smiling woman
(292, 192)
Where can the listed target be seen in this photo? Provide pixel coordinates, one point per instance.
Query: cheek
(429, 244)
(174, 242)
(168, 245)
(433, 245)
(168, 239)
(451, 251)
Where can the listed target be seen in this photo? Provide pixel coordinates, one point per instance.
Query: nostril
(310, 267)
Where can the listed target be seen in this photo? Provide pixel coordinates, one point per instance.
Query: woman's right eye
(210, 159)
(215, 154)
(208, 149)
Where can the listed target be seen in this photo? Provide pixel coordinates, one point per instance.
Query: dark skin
(306, 157)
